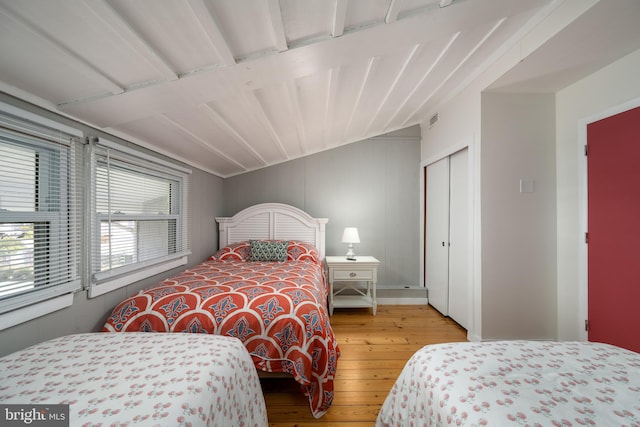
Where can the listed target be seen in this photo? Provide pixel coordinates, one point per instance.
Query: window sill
(108, 285)
(34, 311)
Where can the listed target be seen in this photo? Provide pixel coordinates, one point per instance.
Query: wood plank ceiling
(231, 86)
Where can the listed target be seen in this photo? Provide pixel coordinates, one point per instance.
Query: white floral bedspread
(139, 379)
(519, 383)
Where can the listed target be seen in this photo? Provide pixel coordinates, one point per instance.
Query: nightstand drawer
(353, 274)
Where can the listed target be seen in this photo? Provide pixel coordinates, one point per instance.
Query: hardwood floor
(374, 349)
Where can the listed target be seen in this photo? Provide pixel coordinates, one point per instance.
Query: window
(138, 216)
(39, 212)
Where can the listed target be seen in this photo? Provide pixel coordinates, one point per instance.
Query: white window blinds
(40, 210)
(139, 216)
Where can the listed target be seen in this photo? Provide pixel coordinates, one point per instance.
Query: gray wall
(518, 229)
(87, 315)
(372, 184)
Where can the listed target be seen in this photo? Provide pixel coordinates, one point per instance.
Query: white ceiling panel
(246, 26)
(100, 46)
(238, 121)
(174, 142)
(349, 82)
(206, 127)
(311, 95)
(378, 83)
(364, 13)
(453, 56)
(172, 33)
(234, 135)
(25, 53)
(231, 86)
(413, 7)
(273, 109)
(307, 20)
(418, 62)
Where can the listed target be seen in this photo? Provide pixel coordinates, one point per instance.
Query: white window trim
(46, 301)
(139, 154)
(102, 283)
(42, 121)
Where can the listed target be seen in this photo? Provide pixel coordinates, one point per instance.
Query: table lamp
(350, 236)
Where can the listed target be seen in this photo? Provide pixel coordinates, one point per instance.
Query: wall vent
(433, 120)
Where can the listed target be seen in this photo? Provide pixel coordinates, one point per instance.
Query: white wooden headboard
(273, 221)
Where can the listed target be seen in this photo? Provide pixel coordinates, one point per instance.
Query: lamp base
(351, 256)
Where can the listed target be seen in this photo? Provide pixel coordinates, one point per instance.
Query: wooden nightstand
(348, 273)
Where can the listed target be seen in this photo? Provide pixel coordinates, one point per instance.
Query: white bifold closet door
(437, 235)
(446, 240)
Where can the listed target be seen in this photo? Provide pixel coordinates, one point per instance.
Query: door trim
(474, 302)
(583, 210)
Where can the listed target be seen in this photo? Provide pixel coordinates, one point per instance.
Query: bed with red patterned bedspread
(277, 309)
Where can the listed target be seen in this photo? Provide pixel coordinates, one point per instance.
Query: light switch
(526, 185)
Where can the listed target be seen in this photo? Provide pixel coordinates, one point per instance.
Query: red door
(613, 163)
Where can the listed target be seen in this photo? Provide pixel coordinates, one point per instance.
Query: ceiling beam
(214, 83)
(275, 17)
(393, 11)
(212, 30)
(339, 17)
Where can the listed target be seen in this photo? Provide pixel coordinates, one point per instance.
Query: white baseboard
(474, 337)
(402, 301)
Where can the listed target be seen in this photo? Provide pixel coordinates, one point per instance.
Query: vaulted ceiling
(230, 86)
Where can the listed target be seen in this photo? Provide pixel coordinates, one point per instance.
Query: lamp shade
(350, 235)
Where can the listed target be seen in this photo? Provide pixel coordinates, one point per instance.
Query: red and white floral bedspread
(277, 309)
(138, 379)
(528, 383)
